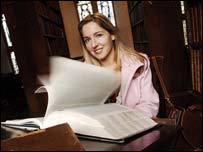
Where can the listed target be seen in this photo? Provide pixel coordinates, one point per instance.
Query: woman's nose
(94, 43)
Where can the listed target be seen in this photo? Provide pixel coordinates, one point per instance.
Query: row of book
(136, 13)
(195, 42)
(196, 67)
(50, 28)
(45, 10)
(58, 47)
(139, 33)
(50, 20)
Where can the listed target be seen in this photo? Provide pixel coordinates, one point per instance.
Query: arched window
(87, 7)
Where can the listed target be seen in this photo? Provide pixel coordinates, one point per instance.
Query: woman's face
(98, 41)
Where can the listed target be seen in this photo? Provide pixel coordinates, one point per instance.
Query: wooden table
(158, 138)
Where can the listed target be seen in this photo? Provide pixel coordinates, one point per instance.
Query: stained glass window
(9, 43)
(106, 8)
(182, 7)
(185, 32)
(6, 31)
(84, 9)
(14, 63)
(184, 22)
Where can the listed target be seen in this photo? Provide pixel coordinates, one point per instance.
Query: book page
(74, 83)
(112, 121)
(119, 121)
(125, 122)
(25, 124)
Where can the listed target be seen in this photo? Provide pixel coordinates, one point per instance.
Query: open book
(76, 94)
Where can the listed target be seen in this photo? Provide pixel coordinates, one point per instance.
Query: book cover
(57, 138)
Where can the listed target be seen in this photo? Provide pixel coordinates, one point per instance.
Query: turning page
(73, 83)
(76, 95)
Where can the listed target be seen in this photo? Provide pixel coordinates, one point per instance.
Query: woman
(102, 47)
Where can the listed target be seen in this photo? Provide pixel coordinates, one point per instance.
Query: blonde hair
(119, 47)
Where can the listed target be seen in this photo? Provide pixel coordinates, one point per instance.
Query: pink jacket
(137, 90)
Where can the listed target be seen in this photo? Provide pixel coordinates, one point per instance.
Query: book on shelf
(77, 93)
(192, 68)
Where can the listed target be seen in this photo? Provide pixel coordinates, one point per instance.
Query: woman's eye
(86, 41)
(99, 35)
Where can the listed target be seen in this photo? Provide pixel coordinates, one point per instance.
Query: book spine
(196, 26)
(193, 26)
(195, 70)
(201, 70)
(198, 80)
(192, 68)
(200, 22)
(195, 42)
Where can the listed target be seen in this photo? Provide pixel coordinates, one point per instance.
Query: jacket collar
(129, 69)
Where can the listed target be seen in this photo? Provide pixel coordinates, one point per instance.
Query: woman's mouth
(97, 51)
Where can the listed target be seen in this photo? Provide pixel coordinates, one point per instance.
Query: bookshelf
(157, 30)
(37, 32)
(50, 21)
(136, 13)
(194, 19)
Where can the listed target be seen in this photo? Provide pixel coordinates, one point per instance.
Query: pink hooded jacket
(137, 90)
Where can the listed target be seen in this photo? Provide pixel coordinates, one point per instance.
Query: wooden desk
(159, 138)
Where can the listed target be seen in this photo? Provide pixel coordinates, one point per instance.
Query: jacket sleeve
(149, 98)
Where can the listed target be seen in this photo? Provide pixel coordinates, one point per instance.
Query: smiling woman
(99, 43)
(102, 46)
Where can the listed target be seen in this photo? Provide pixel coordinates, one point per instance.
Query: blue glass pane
(106, 8)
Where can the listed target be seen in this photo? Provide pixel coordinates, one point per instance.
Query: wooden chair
(184, 117)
